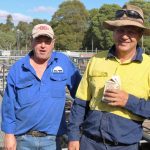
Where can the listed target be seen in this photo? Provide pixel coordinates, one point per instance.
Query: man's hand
(9, 142)
(116, 97)
(73, 145)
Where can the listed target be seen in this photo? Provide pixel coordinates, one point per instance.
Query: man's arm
(74, 78)
(10, 142)
(78, 112)
(132, 103)
(74, 145)
(8, 111)
(8, 114)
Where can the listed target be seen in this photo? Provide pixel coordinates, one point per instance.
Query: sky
(27, 10)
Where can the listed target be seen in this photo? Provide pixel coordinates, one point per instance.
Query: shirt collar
(26, 62)
(138, 57)
(52, 58)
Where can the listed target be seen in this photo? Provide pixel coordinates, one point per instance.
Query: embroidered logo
(57, 69)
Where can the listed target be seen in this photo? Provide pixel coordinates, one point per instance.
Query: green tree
(70, 23)
(24, 32)
(38, 21)
(7, 41)
(101, 38)
(9, 22)
(90, 41)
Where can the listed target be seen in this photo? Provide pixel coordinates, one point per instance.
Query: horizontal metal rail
(146, 137)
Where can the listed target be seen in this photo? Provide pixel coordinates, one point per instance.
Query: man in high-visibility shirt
(113, 97)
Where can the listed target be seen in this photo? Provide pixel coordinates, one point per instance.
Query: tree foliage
(7, 41)
(70, 23)
(9, 22)
(75, 27)
(101, 38)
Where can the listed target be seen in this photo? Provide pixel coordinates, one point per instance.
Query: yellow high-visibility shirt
(134, 75)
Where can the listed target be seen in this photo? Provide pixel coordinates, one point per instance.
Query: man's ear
(140, 36)
(141, 33)
(54, 40)
(32, 43)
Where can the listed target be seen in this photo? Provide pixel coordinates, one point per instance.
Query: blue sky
(26, 10)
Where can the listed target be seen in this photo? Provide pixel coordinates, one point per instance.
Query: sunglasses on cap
(129, 13)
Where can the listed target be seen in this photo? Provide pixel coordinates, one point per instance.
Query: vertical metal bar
(3, 77)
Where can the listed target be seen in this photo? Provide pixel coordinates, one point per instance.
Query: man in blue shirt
(33, 114)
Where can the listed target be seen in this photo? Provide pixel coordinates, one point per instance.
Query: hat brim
(42, 34)
(112, 25)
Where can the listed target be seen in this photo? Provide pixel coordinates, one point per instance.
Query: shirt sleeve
(79, 108)
(74, 78)
(138, 106)
(77, 116)
(8, 110)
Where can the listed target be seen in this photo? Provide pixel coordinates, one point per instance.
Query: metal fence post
(3, 77)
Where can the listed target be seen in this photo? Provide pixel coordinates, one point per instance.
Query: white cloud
(16, 17)
(43, 9)
(3, 14)
(20, 17)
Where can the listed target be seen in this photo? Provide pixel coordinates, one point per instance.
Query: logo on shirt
(57, 69)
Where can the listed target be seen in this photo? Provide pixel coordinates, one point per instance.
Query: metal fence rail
(146, 131)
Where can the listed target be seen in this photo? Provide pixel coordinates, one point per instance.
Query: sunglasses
(129, 13)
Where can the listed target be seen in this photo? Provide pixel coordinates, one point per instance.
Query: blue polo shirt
(30, 103)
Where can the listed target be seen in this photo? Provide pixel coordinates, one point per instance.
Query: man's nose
(42, 44)
(125, 34)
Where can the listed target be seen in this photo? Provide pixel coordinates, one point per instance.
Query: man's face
(126, 38)
(43, 47)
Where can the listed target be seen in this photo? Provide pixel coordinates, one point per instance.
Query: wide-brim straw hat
(127, 21)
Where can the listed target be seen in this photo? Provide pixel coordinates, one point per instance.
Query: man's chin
(122, 47)
(42, 59)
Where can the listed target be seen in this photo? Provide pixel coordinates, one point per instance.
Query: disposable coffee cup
(110, 84)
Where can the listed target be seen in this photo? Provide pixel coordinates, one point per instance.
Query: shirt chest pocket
(58, 86)
(24, 92)
(97, 79)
